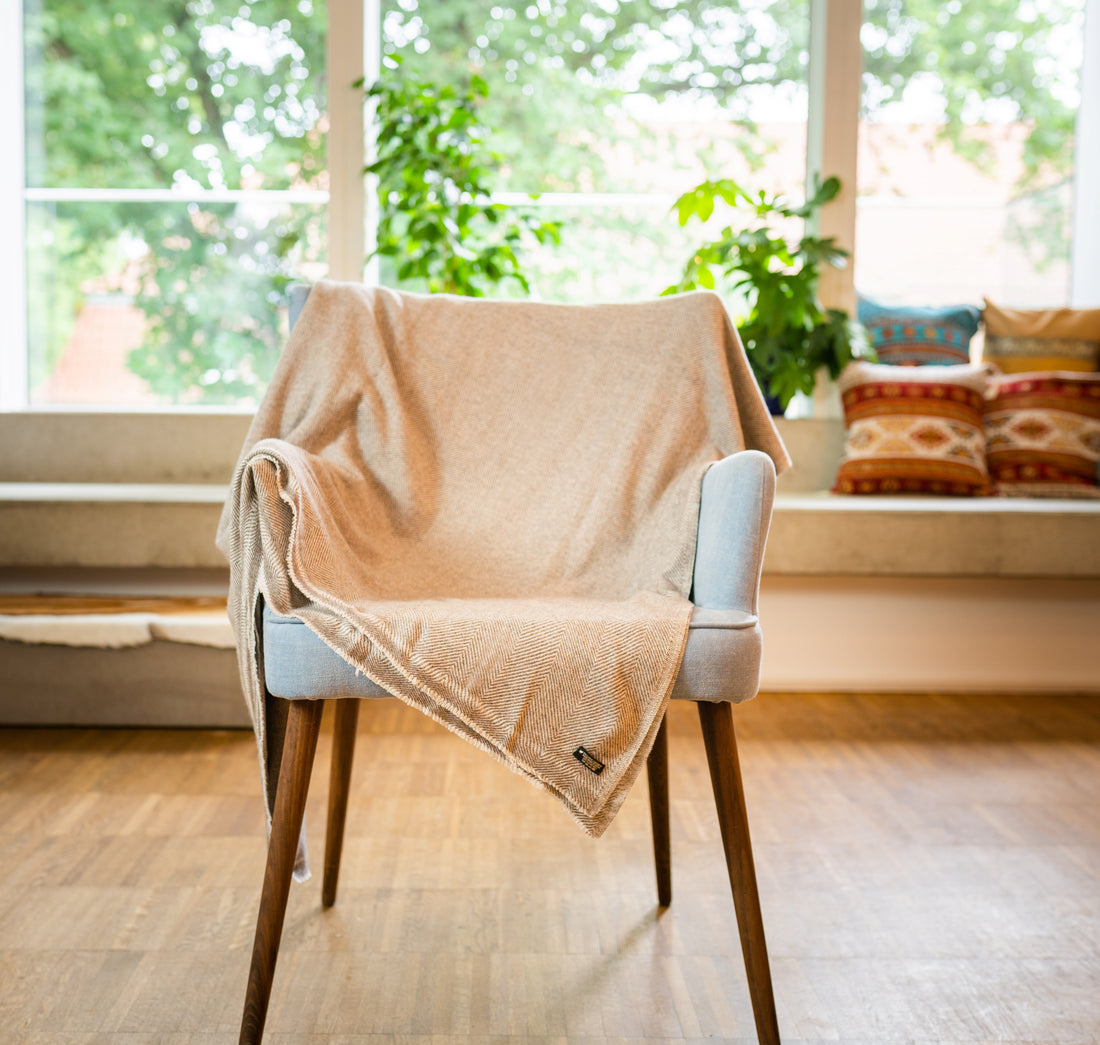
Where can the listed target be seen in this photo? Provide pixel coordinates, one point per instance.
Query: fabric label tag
(588, 760)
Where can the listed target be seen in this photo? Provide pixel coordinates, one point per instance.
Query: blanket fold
(490, 509)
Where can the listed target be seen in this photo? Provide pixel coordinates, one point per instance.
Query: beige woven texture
(490, 509)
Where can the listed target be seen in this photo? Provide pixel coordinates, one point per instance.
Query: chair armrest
(735, 511)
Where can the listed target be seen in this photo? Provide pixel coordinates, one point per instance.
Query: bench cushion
(916, 335)
(1043, 434)
(913, 430)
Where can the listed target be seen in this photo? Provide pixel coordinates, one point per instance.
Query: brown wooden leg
(299, 747)
(343, 750)
(657, 770)
(725, 776)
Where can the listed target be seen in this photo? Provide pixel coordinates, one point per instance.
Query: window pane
(608, 251)
(212, 93)
(184, 305)
(598, 97)
(966, 154)
(135, 297)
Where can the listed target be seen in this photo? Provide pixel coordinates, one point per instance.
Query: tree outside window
(175, 151)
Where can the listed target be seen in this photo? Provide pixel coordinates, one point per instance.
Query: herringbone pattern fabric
(490, 508)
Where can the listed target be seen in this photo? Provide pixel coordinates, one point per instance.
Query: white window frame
(13, 286)
(1085, 257)
(832, 132)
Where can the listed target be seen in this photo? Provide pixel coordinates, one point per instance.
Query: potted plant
(437, 220)
(788, 334)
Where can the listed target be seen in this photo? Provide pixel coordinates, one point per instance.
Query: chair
(720, 667)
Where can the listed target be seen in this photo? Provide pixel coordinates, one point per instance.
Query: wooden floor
(929, 871)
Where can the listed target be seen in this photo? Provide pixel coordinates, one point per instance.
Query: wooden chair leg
(657, 771)
(299, 747)
(725, 776)
(343, 750)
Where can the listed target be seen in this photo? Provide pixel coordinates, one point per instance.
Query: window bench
(141, 525)
(823, 533)
(151, 659)
(875, 593)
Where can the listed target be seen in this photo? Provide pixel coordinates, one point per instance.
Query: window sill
(177, 445)
(172, 525)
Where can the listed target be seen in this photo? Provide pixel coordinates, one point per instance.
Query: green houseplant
(788, 334)
(434, 167)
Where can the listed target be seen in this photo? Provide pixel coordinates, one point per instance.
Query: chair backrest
(737, 501)
(296, 298)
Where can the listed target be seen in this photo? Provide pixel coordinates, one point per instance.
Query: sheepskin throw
(490, 509)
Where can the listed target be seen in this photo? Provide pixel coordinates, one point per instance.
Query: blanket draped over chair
(490, 509)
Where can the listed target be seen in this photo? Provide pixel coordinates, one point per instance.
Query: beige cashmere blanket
(490, 509)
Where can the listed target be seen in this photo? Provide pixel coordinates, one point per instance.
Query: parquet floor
(929, 871)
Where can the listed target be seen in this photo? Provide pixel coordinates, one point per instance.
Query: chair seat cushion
(721, 660)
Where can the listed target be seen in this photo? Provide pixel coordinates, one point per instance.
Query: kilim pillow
(1020, 341)
(919, 335)
(913, 429)
(1043, 434)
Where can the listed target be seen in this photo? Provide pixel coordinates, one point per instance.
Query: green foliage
(559, 72)
(435, 171)
(127, 94)
(787, 333)
(558, 66)
(220, 93)
(993, 58)
(212, 303)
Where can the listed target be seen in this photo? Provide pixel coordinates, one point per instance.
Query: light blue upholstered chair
(720, 667)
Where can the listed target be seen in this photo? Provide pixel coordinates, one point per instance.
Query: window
(174, 172)
(174, 182)
(967, 151)
(610, 110)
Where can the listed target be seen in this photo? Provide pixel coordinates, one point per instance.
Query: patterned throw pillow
(913, 430)
(919, 335)
(1043, 434)
(1021, 341)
